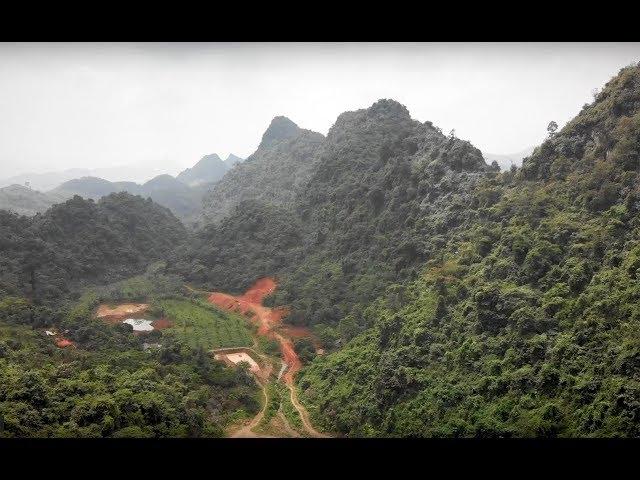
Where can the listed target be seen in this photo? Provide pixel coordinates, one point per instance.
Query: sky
(159, 108)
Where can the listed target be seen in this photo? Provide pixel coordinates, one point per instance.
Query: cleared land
(121, 312)
(204, 326)
(235, 357)
(268, 320)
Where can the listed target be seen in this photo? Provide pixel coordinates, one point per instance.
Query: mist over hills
(182, 195)
(450, 299)
(46, 181)
(25, 201)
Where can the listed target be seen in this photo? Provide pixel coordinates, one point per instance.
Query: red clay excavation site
(268, 319)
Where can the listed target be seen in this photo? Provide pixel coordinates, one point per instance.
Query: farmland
(204, 326)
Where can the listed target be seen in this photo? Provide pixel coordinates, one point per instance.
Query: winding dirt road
(268, 319)
(247, 430)
(304, 415)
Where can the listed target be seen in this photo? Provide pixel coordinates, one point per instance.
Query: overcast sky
(103, 105)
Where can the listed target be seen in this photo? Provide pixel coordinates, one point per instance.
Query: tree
(551, 128)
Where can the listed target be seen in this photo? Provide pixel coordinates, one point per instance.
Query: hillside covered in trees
(381, 194)
(452, 300)
(82, 242)
(524, 320)
(273, 174)
(66, 373)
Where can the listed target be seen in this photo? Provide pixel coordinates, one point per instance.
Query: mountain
(450, 299)
(505, 161)
(233, 159)
(209, 169)
(51, 180)
(87, 187)
(45, 181)
(281, 165)
(184, 201)
(82, 242)
(453, 300)
(25, 201)
(524, 319)
(368, 206)
(183, 195)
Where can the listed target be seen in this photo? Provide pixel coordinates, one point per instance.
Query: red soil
(161, 324)
(293, 331)
(268, 319)
(259, 290)
(296, 332)
(63, 342)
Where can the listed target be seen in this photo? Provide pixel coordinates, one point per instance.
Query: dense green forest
(452, 300)
(525, 321)
(380, 197)
(82, 242)
(54, 268)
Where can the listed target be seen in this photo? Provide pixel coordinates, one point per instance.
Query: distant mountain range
(182, 194)
(49, 180)
(210, 168)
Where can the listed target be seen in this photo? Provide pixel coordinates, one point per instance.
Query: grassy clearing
(200, 325)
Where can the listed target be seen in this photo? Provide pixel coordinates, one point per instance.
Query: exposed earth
(267, 370)
(121, 312)
(133, 314)
(268, 321)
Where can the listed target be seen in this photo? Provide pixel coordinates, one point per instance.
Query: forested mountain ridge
(452, 300)
(184, 201)
(182, 195)
(380, 193)
(525, 321)
(385, 189)
(280, 166)
(25, 201)
(83, 242)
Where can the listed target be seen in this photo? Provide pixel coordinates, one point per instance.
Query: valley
(382, 280)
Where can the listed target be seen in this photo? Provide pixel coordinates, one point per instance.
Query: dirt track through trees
(267, 319)
(247, 430)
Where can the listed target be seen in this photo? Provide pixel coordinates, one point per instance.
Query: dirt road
(247, 430)
(304, 415)
(268, 319)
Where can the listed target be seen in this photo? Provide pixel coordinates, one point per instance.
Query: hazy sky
(103, 105)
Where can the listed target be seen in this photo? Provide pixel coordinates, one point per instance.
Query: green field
(202, 325)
